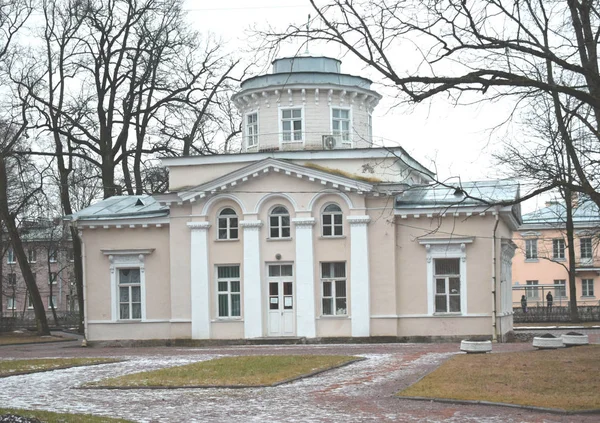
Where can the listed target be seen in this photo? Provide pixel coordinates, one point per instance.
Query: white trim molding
(446, 248)
(305, 277)
(360, 286)
(199, 280)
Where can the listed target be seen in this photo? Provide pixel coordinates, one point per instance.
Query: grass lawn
(49, 417)
(567, 378)
(231, 371)
(19, 367)
(27, 338)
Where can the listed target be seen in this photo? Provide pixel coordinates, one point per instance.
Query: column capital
(358, 220)
(198, 225)
(304, 221)
(250, 223)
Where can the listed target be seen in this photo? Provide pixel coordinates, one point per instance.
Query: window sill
(532, 260)
(558, 259)
(588, 297)
(332, 237)
(227, 320)
(279, 239)
(338, 317)
(442, 314)
(227, 240)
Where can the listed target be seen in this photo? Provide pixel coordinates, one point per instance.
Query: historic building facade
(309, 232)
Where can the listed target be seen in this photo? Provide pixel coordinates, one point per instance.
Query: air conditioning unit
(330, 142)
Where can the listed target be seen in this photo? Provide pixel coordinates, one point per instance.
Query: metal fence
(13, 321)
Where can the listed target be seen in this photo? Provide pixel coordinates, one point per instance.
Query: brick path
(361, 392)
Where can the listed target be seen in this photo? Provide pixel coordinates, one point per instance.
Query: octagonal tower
(306, 103)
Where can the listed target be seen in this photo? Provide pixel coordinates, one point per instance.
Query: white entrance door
(281, 318)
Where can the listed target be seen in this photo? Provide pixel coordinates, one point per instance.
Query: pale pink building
(310, 232)
(541, 259)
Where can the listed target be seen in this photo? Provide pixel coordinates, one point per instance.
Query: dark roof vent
(139, 202)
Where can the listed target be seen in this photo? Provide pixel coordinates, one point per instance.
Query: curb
(502, 404)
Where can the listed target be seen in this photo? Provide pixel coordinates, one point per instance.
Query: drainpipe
(494, 277)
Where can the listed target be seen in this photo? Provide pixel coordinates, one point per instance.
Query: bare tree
(479, 51)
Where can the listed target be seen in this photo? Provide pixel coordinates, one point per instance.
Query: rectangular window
(585, 245)
(587, 287)
(562, 290)
(130, 294)
(53, 255)
(12, 279)
(31, 255)
(229, 291)
(29, 302)
(291, 125)
(52, 278)
(252, 129)
(10, 303)
(447, 285)
(51, 302)
(10, 256)
(532, 289)
(70, 254)
(333, 283)
(340, 124)
(558, 249)
(531, 251)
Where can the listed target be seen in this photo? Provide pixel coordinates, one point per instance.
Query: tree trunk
(573, 312)
(13, 233)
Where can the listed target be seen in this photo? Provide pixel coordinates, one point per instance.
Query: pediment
(264, 168)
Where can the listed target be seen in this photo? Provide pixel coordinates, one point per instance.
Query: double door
(280, 300)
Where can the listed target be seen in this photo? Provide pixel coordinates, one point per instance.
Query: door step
(272, 340)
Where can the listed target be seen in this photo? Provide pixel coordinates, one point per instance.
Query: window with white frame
(560, 291)
(532, 289)
(130, 294)
(331, 221)
(531, 250)
(229, 291)
(53, 255)
(340, 124)
(227, 224)
(333, 285)
(12, 279)
(251, 129)
(291, 125)
(31, 255)
(11, 303)
(52, 278)
(52, 302)
(279, 223)
(587, 287)
(10, 256)
(585, 248)
(447, 285)
(29, 302)
(558, 248)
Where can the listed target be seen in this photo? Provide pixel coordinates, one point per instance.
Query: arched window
(228, 224)
(331, 221)
(279, 223)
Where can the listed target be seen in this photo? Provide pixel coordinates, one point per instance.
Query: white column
(253, 325)
(305, 278)
(199, 280)
(360, 309)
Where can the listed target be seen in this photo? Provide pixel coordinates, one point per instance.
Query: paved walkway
(361, 392)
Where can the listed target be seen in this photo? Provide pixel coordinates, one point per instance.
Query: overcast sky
(458, 139)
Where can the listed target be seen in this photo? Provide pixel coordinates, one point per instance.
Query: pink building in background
(541, 259)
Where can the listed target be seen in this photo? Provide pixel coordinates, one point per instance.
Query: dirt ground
(361, 392)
